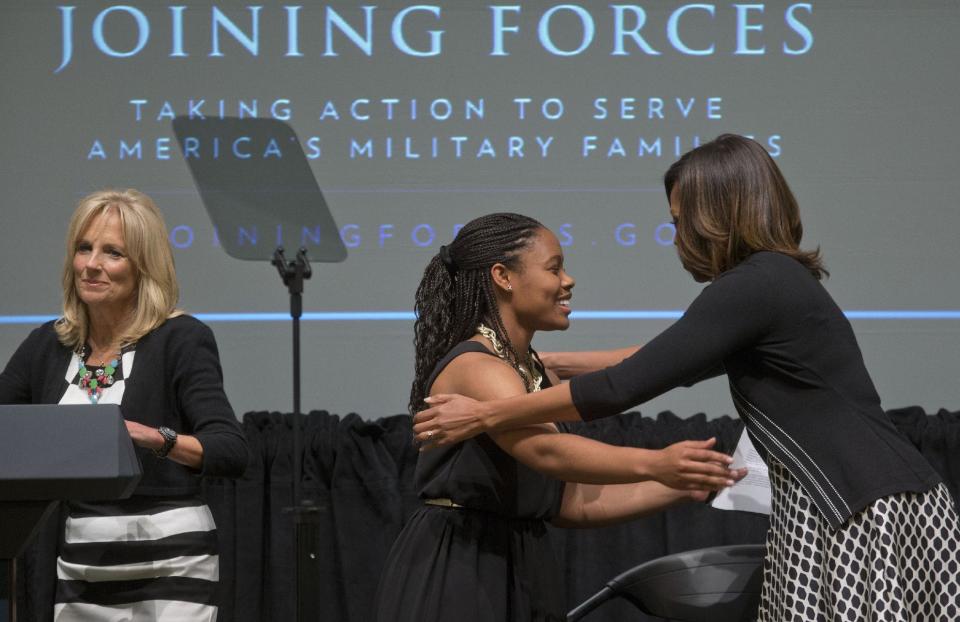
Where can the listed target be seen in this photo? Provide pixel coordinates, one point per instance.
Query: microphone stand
(306, 513)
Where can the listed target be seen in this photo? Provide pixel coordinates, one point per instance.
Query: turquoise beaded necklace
(94, 382)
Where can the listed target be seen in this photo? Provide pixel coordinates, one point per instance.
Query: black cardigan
(176, 381)
(797, 378)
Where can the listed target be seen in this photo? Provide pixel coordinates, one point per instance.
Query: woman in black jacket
(121, 340)
(860, 522)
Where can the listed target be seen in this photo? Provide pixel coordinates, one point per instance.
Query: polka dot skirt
(897, 560)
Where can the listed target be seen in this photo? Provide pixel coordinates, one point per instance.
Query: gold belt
(444, 503)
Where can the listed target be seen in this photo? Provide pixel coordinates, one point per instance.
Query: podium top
(80, 452)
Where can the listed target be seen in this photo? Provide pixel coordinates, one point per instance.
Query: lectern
(49, 453)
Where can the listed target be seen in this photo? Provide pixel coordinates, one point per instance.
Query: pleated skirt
(897, 560)
(143, 558)
(458, 565)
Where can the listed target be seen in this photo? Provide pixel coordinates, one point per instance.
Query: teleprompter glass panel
(257, 187)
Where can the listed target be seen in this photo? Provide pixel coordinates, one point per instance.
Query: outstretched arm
(731, 314)
(689, 465)
(587, 505)
(566, 365)
(452, 418)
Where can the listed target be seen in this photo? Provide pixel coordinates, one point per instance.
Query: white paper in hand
(752, 493)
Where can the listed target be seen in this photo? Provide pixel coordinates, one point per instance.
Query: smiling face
(541, 288)
(104, 277)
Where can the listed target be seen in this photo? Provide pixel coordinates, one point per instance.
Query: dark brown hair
(734, 202)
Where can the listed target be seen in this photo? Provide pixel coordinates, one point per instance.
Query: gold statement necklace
(531, 377)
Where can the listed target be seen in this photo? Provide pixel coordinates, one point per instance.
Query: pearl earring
(509, 287)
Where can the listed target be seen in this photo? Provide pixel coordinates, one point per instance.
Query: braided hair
(456, 293)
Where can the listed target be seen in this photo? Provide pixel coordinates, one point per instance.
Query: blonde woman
(121, 340)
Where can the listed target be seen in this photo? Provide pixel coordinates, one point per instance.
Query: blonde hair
(149, 253)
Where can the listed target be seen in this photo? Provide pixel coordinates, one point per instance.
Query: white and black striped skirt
(144, 558)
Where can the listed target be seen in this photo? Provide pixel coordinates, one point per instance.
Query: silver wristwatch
(169, 440)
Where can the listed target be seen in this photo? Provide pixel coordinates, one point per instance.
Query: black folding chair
(718, 584)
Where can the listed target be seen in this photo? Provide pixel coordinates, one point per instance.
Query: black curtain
(360, 473)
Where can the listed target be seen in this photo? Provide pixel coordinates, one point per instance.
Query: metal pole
(296, 310)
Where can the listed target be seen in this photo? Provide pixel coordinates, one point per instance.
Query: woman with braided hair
(477, 550)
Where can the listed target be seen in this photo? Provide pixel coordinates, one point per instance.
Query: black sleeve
(198, 382)
(730, 314)
(15, 379)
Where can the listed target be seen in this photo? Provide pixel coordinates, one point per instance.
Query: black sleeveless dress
(487, 561)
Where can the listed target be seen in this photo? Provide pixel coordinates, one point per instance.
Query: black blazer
(797, 379)
(176, 381)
